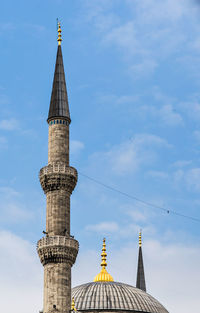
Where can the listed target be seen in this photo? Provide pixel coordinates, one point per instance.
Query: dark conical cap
(59, 107)
(140, 270)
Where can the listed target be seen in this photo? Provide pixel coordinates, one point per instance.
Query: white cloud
(161, 107)
(9, 124)
(21, 275)
(129, 155)
(104, 227)
(158, 174)
(145, 68)
(76, 146)
(167, 10)
(134, 221)
(181, 163)
(8, 192)
(192, 109)
(124, 36)
(12, 209)
(192, 178)
(118, 100)
(137, 215)
(165, 114)
(169, 116)
(148, 24)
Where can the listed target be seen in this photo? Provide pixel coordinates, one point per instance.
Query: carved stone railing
(57, 241)
(59, 168)
(57, 249)
(58, 176)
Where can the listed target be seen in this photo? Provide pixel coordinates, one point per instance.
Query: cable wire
(140, 200)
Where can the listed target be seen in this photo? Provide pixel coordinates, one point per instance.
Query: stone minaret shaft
(58, 250)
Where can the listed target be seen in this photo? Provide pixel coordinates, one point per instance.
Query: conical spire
(140, 271)
(59, 107)
(103, 275)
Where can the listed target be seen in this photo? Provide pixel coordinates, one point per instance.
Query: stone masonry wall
(58, 213)
(57, 287)
(58, 149)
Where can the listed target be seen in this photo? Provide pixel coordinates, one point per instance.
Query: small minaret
(58, 250)
(140, 270)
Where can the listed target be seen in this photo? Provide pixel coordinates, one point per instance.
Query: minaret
(58, 249)
(140, 270)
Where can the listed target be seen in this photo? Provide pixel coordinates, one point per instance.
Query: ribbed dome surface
(114, 296)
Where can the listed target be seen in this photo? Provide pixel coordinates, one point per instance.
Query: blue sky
(132, 71)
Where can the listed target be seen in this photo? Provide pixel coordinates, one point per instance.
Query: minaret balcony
(58, 176)
(57, 249)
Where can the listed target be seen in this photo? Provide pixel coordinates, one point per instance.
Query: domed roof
(114, 296)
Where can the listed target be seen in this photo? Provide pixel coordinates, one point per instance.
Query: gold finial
(103, 275)
(73, 308)
(59, 34)
(103, 255)
(140, 239)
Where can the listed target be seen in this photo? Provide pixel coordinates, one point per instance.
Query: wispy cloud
(161, 108)
(192, 178)
(9, 124)
(181, 163)
(189, 179)
(148, 25)
(12, 209)
(145, 68)
(104, 227)
(76, 146)
(128, 156)
(18, 260)
(158, 174)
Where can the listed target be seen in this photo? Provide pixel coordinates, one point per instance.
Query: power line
(168, 211)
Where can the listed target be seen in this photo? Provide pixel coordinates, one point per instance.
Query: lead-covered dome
(114, 296)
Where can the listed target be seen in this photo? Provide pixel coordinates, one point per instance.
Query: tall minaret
(58, 250)
(140, 283)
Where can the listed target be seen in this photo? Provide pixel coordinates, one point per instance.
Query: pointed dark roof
(59, 107)
(140, 272)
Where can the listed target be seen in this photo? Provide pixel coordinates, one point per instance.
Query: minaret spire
(140, 270)
(58, 249)
(59, 107)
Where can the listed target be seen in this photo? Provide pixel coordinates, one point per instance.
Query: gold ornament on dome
(73, 308)
(103, 275)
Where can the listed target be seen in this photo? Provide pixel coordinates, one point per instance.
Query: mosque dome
(114, 296)
(105, 295)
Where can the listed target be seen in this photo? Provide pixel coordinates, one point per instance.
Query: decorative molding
(57, 249)
(58, 176)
